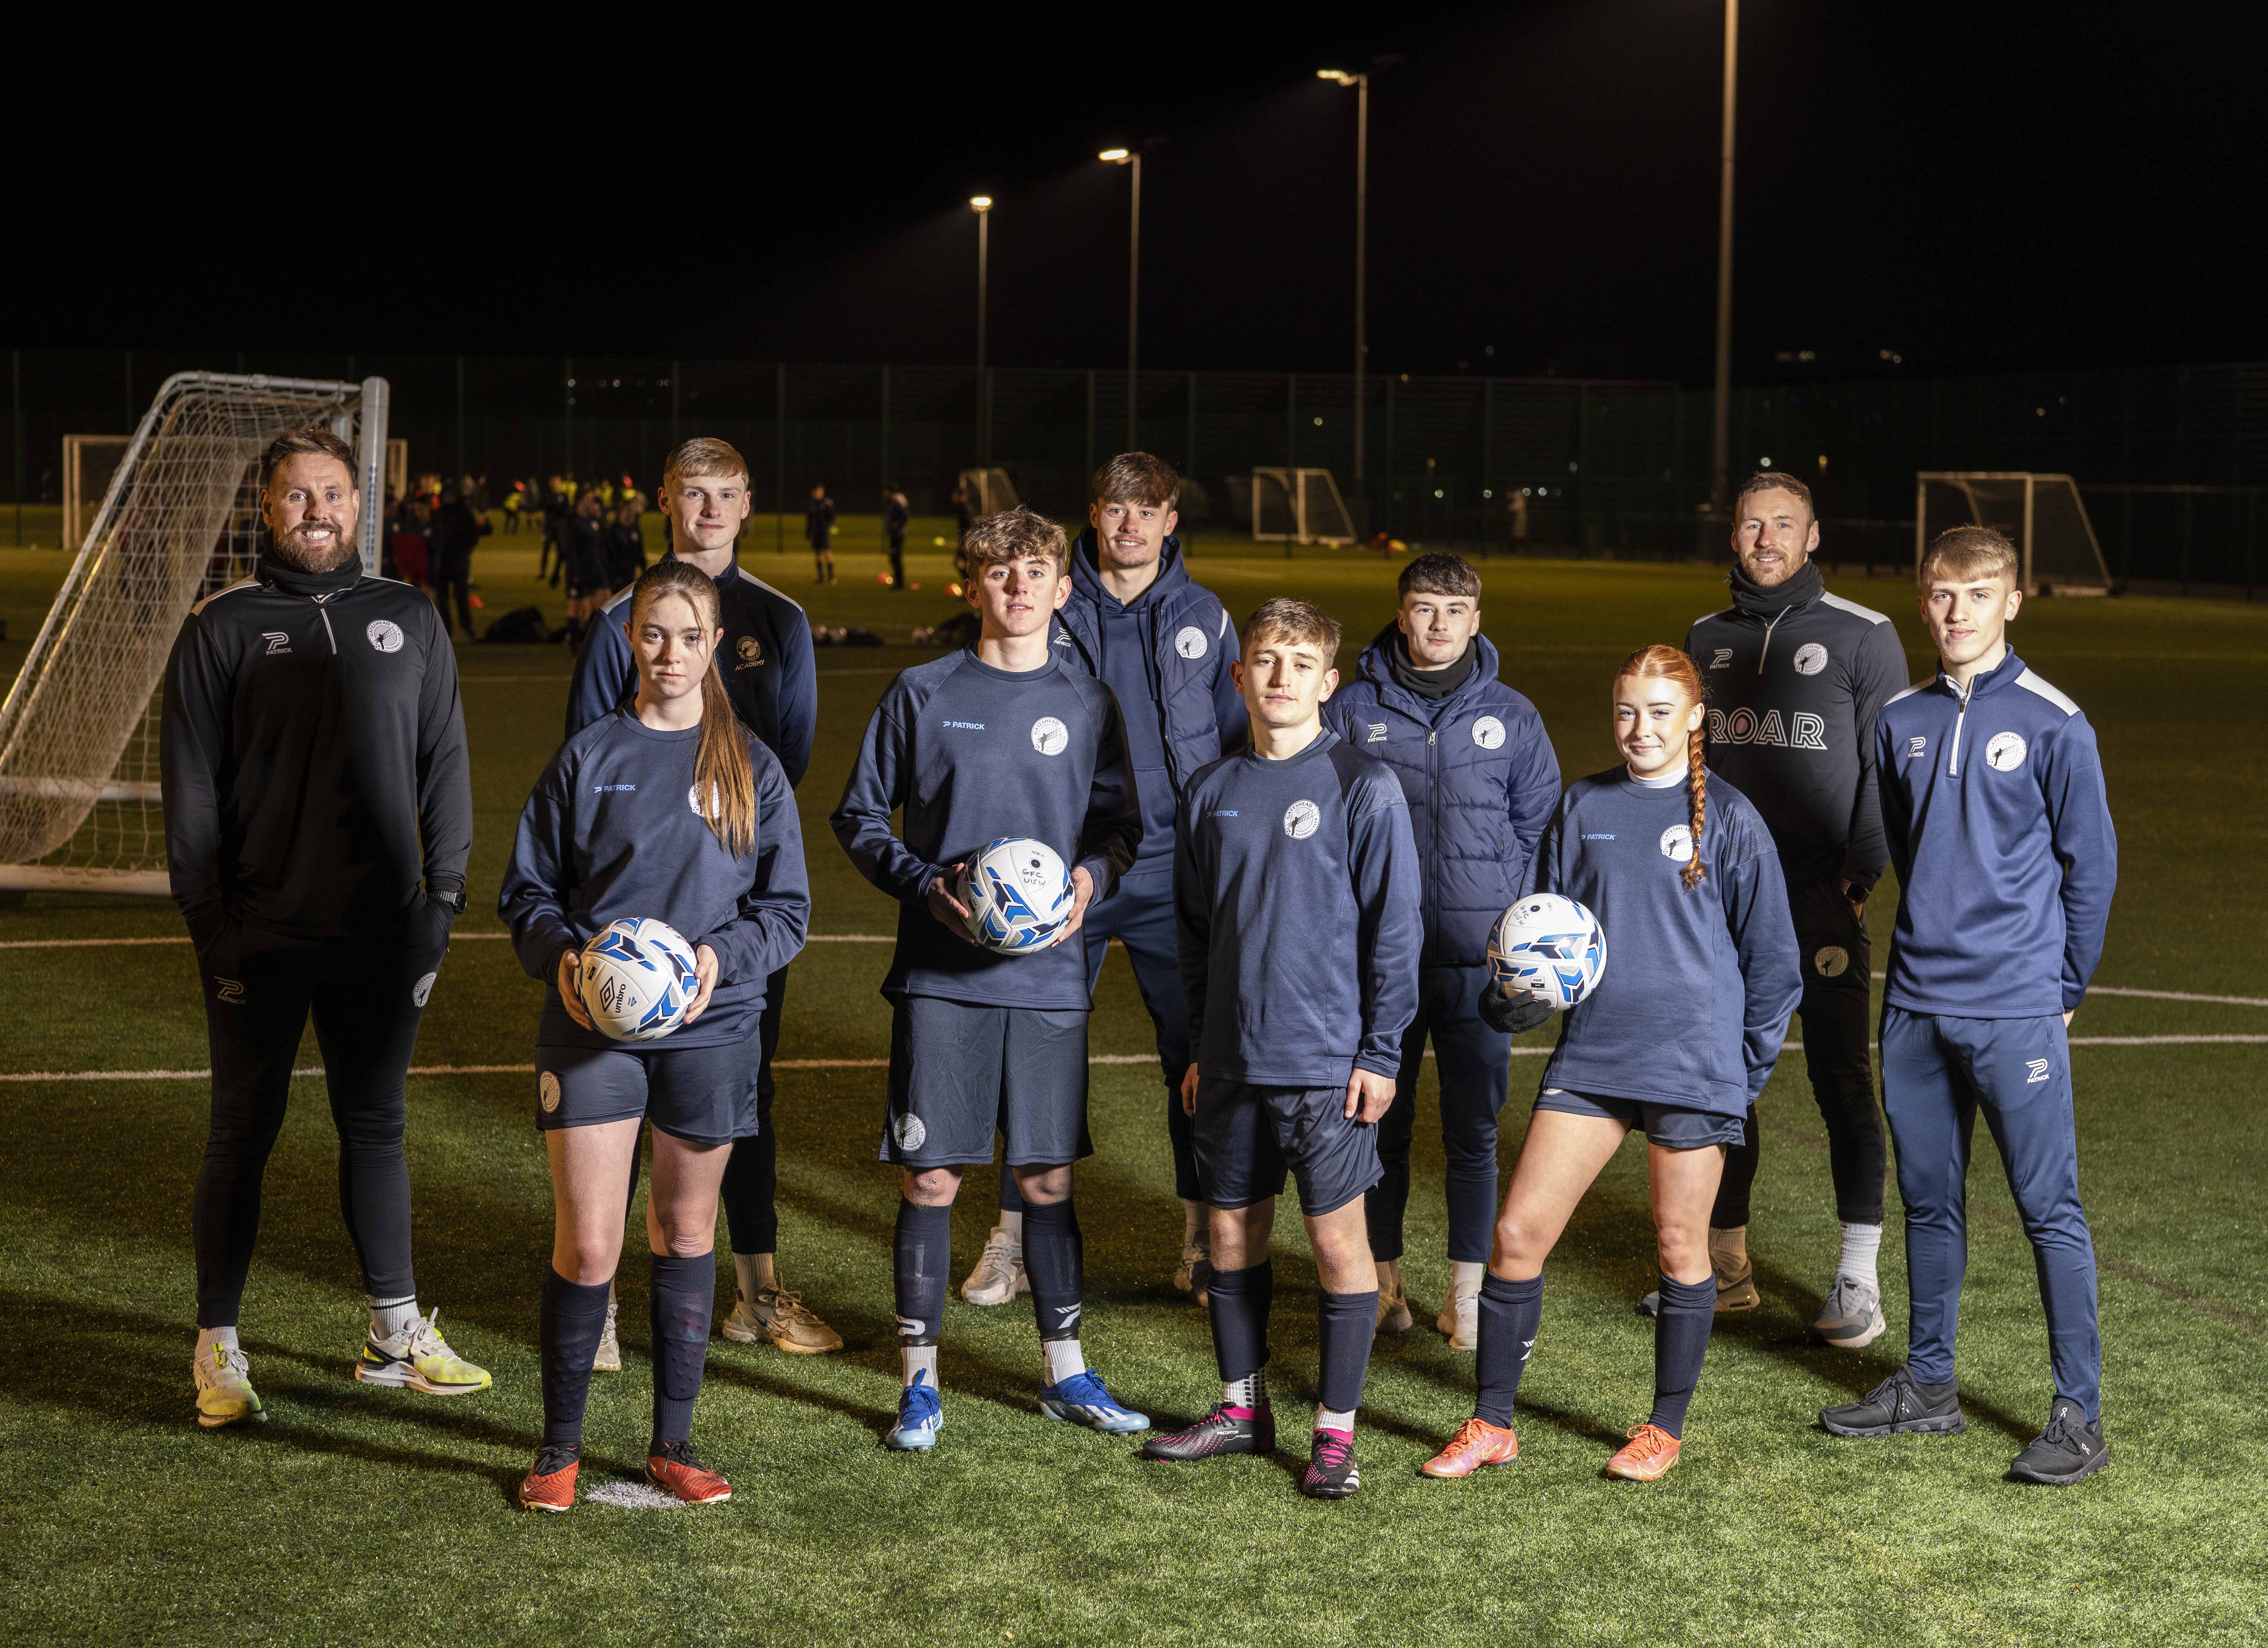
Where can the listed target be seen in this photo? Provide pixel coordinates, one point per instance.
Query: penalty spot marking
(633, 1495)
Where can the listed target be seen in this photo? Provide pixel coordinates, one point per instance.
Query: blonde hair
(1964, 553)
(1012, 535)
(724, 779)
(1302, 623)
(703, 455)
(1666, 663)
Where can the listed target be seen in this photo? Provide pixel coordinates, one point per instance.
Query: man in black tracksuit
(318, 816)
(894, 517)
(1795, 678)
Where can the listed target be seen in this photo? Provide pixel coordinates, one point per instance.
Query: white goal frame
(79, 797)
(989, 491)
(1306, 492)
(1966, 482)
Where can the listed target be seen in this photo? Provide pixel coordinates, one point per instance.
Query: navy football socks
(925, 1257)
(1346, 1323)
(1681, 1340)
(1510, 1315)
(1054, 1260)
(569, 1323)
(682, 1295)
(1239, 1302)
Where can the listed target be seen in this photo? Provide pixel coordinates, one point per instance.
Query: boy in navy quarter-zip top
(1999, 824)
(1296, 894)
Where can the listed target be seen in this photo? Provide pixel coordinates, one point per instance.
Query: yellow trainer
(419, 1359)
(224, 1393)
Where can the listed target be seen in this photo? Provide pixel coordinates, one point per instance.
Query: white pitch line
(462, 937)
(2156, 995)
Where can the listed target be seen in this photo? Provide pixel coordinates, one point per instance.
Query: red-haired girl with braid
(1677, 1038)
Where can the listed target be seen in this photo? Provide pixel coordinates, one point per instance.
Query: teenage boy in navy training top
(1296, 888)
(1477, 770)
(1994, 803)
(1796, 677)
(765, 662)
(1164, 647)
(999, 739)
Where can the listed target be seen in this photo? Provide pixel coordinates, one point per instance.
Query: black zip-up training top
(313, 755)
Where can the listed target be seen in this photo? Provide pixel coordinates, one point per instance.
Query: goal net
(80, 802)
(2040, 514)
(990, 491)
(1298, 506)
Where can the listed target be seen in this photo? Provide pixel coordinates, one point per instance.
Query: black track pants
(1838, 961)
(366, 995)
(751, 1187)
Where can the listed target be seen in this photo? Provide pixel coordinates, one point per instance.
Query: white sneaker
(1000, 1274)
(1461, 1319)
(224, 1393)
(608, 1359)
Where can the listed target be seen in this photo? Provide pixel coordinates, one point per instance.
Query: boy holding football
(998, 740)
(1296, 891)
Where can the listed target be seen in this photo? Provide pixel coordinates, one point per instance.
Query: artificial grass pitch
(358, 1514)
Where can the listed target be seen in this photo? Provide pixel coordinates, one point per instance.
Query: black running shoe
(2070, 1450)
(1895, 1407)
(1225, 1430)
(1332, 1472)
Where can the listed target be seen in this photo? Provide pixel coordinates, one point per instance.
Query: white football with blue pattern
(1018, 895)
(638, 979)
(1550, 946)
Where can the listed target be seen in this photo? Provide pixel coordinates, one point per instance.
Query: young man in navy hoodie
(1165, 648)
(1477, 770)
(1994, 808)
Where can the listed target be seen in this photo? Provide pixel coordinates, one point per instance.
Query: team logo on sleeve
(1191, 643)
(2005, 752)
(1832, 961)
(547, 1091)
(751, 652)
(421, 989)
(385, 635)
(910, 1133)
(1300, 819)
(1487, 733)
(1677, 844)
(1810, 659)
(1050, 736)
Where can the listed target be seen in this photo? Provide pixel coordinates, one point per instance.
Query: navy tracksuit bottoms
(1938, 1072)
(1473, 1062)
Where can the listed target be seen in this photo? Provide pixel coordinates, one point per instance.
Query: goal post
(1298, 506)
(2042, 515)
(79, 801)
(989, 491)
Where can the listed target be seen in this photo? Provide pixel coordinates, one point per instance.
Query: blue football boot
(920, 1416)
(1083, 1400)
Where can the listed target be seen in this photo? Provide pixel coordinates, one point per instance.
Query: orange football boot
(549, 1484)
(1477, 1443)
(676, 1471)
(1650, 1453)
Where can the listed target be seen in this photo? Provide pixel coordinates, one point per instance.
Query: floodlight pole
(1720, 432)
(1359, 79)
(1131, 158)
(983, 205)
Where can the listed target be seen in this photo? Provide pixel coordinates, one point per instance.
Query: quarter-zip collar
(1999, 676)
(274, 568)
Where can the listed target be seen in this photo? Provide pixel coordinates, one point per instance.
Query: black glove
(1511, 1014)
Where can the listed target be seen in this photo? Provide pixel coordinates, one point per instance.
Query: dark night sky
(1976, 187)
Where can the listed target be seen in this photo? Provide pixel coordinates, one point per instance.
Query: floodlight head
(1117, 157)
(982, 202)
(1339, 76)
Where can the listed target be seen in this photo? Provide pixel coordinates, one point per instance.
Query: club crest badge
(1300, 819)
(1190, 641)
(1677, 844)
(1487, 733)
(2006, 752)
(385, 635)
(1810, 659)
(1050, 736)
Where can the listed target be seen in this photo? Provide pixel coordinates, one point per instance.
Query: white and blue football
(1018, 895)
(1548, 947)
(637, 980)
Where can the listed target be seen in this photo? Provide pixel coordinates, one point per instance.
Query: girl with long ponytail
(666, 808)
(1687, 886)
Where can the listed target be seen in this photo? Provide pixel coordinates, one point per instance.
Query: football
(1548, 947)
(1018, 896)
(637, 978)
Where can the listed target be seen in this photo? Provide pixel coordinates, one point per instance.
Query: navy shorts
(960, 1071)
(705, 1095)
(1673, 1127)
(1247, 1137)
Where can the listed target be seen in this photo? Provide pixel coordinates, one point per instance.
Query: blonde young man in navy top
(1999, 826)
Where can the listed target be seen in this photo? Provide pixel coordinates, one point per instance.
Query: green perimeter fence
(2172, 462)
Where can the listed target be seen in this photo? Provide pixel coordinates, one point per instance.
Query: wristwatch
(453, 897)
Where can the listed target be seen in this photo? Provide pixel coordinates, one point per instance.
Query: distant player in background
(819, 528)
(1677, 1038)
(1476, 769)
(607, 835)
(894, 517)
(1796, 676)
(1296, 893)
(1998, 823)
(1164, 646)
(765, 662)
(318, 817)
(583, 546)
(1001, 739)
(456, 533)
(625, 544)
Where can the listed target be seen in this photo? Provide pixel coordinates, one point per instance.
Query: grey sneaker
(1000, 1274)
(1852, 1317)
(2070, 1450)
